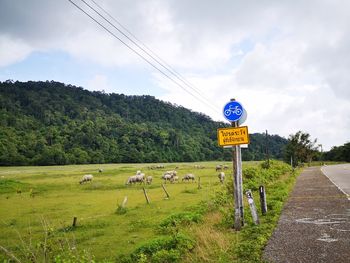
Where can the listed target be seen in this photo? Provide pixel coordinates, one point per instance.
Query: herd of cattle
(168, 176)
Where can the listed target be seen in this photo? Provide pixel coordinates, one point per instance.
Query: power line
(203, 100)
(154, 55)
(145, 59)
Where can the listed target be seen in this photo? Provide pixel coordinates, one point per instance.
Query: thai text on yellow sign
(233, 136)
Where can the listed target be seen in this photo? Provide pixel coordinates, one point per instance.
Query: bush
(121, 210)
(165, 256)
(184, 218)
(162, 249)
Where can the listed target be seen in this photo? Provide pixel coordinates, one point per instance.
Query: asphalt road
(314, 226)
(340, 176)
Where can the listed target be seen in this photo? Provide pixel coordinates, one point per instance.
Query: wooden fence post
(166, 192)
(124, 202)
(146, 196)
(199, 183)
(75, 219)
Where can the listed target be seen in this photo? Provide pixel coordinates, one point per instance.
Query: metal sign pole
(237, 184)
(240, 183)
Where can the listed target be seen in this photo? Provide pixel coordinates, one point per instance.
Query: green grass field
(36, 202)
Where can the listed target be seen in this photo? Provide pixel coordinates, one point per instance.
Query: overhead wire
(140, 55)
(168, 67)
(202, 99)
(158, 60)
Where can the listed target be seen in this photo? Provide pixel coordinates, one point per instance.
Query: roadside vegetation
(38, 204)
(217, 241)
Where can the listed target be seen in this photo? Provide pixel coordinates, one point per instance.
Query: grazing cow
(172, 173)
(221, 176)
(174, 179)
(131, 180)
(158, 166)
(167, 177)
(218, 168)
(86, 178)
(136, 179)
(149, 179)
(225, 167)
(141, 176)
(188, 177)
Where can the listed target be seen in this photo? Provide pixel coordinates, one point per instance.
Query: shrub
(165, 256)
(121, 210)
(184, 218)
(162, 249)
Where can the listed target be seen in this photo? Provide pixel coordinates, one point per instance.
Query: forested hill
(46, 123)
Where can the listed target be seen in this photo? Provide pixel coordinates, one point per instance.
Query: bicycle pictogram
(233, 110)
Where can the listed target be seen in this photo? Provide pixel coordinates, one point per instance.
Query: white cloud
(99, 83)
(12, 51)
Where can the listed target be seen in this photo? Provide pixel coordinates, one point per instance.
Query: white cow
(174, 179)
(135, 179)
(221, 177)
(218, 167)
(188, 177)
(86, 178)
(149, 179)
(167, 177)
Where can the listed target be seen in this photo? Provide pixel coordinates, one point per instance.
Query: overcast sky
(287, 62)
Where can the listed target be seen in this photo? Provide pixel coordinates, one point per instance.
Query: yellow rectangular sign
(233, 136)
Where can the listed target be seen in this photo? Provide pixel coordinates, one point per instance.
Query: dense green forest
(47, 123)
(339, 153)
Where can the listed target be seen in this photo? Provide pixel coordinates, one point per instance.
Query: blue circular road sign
(233, 111)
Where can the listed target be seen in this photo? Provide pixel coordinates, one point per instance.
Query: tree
(339, 153)
(300, 148)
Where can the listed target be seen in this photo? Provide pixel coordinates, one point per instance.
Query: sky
(286, 62)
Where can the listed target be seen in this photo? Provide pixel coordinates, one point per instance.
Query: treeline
(339, 153)
(48, 123)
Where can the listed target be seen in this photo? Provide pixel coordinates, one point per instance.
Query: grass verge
(217, 241)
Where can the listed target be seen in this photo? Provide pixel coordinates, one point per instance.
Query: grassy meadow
(37, 206)
(34, 199)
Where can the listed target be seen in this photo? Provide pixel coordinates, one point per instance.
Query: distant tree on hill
(339, 153)
(300, 148)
